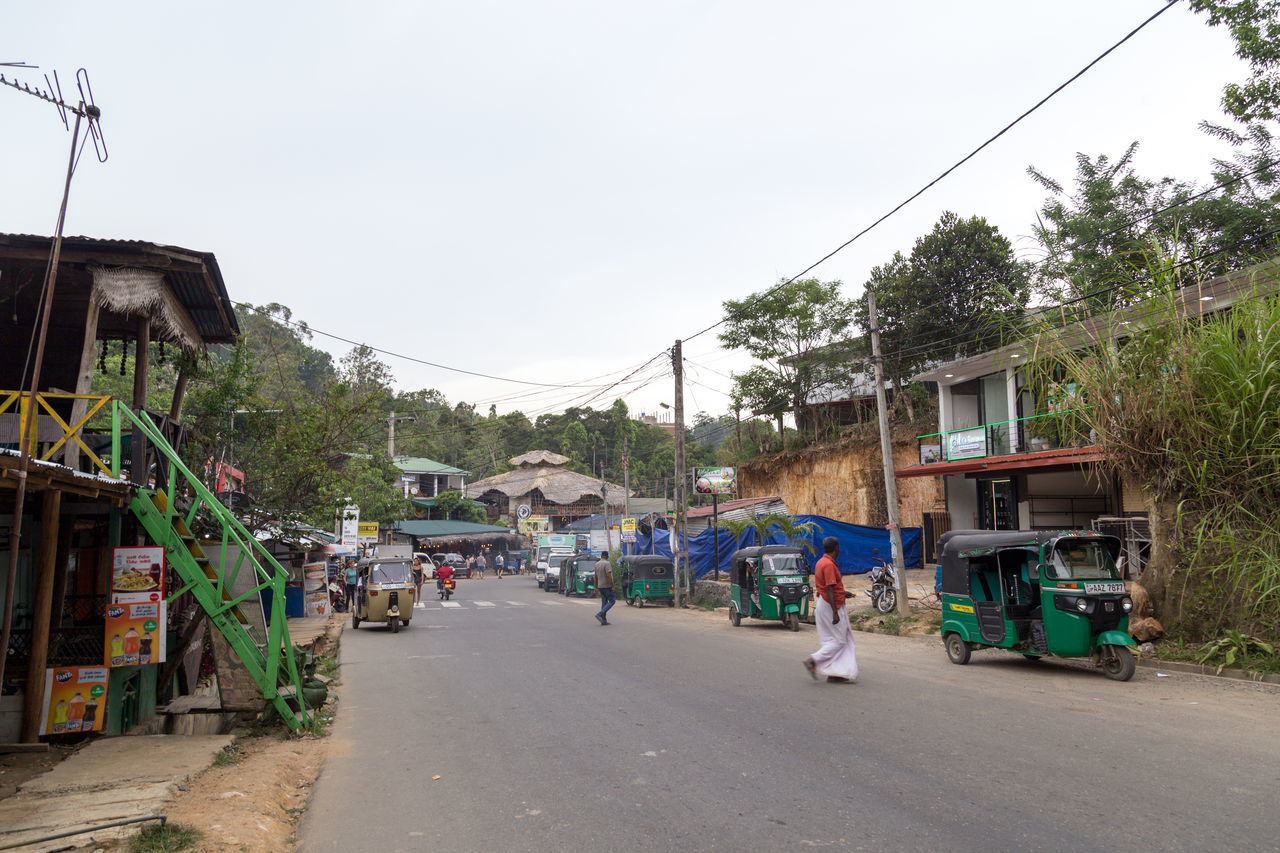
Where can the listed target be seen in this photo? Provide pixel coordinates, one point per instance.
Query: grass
(164, 838)
(227, 756)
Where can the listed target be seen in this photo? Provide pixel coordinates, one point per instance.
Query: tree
(453, 505)
(952, 297)
(1098, 238)
(790, 330)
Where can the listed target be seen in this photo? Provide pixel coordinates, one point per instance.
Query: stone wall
(844, 482)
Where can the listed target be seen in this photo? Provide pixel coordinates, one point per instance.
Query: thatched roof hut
(540, 482)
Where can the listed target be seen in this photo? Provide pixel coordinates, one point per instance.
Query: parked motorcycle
(446, 589)
(884, 587)
(337, 597)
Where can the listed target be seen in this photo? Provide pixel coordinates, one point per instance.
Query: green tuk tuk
(648, 577)
(1036, 593)
(578, 575)
(769, 582)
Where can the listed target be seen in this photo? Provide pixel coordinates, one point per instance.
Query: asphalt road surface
(672, 730)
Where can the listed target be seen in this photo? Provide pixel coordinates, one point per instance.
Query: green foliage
(953, 296)
(795, 533)
(789, 330)
(165, 838)
(1237, 647)
(451, 505)
(1189, 409)
(1097, 238)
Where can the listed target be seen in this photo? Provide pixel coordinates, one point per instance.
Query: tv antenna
(84, 110)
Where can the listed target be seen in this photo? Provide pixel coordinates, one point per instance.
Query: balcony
(1030, 435)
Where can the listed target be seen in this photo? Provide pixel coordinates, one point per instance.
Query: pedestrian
(417, 578)
(604, 585)
(837, 658)
(471, 565)
(349, 577)
(498, 565)
(482, 564)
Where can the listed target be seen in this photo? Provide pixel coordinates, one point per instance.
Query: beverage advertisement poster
(75, 699)
(135, 634)
(714, 481)
(137, 574)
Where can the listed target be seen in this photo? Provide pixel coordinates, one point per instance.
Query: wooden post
(179, 395)
(886, 452)
(677, 365)
(88, 355)
(42, 615)
(140, 362)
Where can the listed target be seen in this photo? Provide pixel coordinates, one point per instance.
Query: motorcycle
(337, 597)
(446, 589)
(884, 587)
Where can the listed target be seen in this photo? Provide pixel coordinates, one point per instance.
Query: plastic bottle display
(75, 713)
(60, 717)
(131, 643)
(144, 648)
(117, 651)
(89, 721)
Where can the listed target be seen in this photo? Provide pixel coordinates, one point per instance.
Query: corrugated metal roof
(422, 465)
(423, 528)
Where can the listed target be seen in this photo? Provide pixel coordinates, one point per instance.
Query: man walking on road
(481, 565)
(837, 659)
(498, 565)
(604, 585)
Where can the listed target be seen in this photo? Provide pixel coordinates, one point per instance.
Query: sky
(554, 192)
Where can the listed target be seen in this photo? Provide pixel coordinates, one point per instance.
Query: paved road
(671, 730)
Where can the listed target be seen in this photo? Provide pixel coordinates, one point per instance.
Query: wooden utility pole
(886, 452)
(626, 490)
(677, 366)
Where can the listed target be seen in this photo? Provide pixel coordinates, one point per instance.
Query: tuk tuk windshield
(784, 564)
(1083, 559)
(389, 573)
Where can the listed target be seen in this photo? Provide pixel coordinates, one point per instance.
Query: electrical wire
(945, 173)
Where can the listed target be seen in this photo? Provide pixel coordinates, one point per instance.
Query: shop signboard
(533, 525)
(75, 699)
(715, 481)
(137, 574)
(967, 444)
(135, 634)
(628, 529)
(367, 533)
(348, 527)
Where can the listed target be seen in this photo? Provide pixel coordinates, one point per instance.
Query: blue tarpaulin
(858, 545)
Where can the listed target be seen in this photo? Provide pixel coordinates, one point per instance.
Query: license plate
(1104, 586)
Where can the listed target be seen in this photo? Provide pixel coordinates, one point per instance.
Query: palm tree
(797, 533)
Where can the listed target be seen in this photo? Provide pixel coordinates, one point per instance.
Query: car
(551, 569)
(458, 562)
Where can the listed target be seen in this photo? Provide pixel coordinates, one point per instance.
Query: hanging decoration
(124, 353)
(102, 357)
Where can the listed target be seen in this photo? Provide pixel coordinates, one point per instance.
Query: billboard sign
(348, 528)
(715, 481)
(75, 699)
(967, 444)
(628, 529)
(137, 574)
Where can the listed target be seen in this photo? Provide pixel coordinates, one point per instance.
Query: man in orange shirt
(837, 658)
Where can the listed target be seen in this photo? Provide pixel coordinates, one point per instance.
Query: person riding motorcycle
(444, 572)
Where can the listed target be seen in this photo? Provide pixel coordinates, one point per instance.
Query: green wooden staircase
(168, 501)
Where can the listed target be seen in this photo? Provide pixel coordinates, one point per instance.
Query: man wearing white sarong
(837, 659)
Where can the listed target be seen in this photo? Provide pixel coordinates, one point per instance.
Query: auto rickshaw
(578, 575)
(648, 577)
(769, 582)
(384, 592)
(1036, 593)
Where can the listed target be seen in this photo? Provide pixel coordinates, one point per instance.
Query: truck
(548, 542)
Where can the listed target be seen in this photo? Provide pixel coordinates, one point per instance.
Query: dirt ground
(18, 767)
(255, 803)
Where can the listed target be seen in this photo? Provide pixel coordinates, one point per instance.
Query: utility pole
(886, 452)
(626, 486)
(682, 561)
(391, 433)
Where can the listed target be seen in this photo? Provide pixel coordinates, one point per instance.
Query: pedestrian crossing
(479, 604)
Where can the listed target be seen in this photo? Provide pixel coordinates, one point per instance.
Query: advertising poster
(75, 699)
(715, 481)
(628, 529)
(348, 531)
(137, 574)
(135, 634)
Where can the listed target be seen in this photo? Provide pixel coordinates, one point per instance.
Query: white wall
(962, 502)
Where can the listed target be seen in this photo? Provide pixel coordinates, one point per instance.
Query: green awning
(425, 529)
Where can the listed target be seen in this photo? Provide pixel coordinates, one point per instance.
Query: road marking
(484, 604)
(450, 604)
(518, 603)
(554, 603)
(419, 606)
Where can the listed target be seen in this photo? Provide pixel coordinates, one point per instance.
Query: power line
(947, 172)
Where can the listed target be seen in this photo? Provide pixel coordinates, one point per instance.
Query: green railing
(1031, 434)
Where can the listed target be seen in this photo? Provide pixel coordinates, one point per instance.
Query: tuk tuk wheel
(735, 618)
(631, 601)
(957, 649)
(639, 602)
(394, 622)
(1118, 663)
(355, 619)
(791, 620)
(671, 602)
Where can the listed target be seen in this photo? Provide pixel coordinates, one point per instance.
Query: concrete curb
(1208, 671)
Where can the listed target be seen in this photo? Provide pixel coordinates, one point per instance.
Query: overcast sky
(555, 191)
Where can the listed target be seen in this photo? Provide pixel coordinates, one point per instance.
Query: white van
(549, 568)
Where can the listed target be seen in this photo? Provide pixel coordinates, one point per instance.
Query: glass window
(1083, 559)
(784, 564)
(389, 573)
